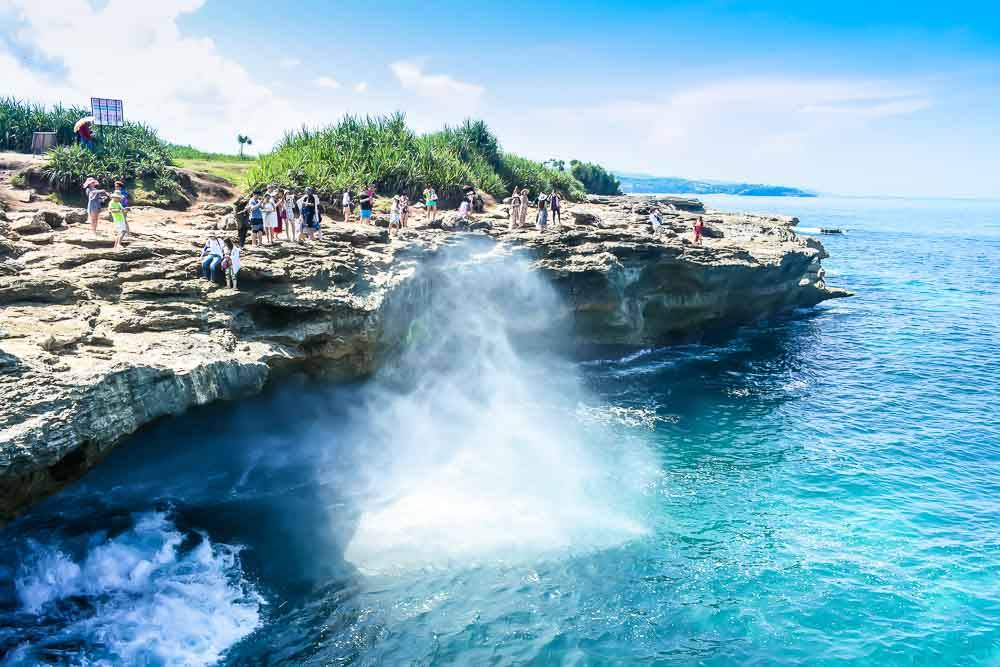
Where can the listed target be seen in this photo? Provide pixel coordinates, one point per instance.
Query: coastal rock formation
(95, 343)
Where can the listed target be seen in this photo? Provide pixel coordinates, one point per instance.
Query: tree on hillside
(558, 165)
(595, 178)
(244, 141)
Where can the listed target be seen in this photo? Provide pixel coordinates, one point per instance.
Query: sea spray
(150, 595)
(470, 445)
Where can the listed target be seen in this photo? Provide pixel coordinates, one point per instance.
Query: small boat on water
(830, 230)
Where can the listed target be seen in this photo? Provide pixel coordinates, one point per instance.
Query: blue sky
(851, 97)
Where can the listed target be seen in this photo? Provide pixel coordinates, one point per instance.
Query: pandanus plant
(383, 151)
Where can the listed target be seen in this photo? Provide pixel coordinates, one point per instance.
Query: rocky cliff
(94, 343)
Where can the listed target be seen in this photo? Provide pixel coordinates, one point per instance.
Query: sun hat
(90, 181)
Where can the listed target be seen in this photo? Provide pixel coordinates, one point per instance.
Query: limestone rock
(99, 342)
(585, 217)
(75, 217)
(32, 225)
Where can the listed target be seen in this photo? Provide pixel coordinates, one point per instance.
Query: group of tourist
(220, 254)
(274, 213)
(118, 205)
(656, 221)
(520, 201)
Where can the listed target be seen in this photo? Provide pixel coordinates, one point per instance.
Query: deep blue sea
(822, 488)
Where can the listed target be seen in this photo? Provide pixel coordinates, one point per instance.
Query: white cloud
(361, 86)
(794, 131)
(327, 82)
(182, 85)
(290, 62)
(412, 77)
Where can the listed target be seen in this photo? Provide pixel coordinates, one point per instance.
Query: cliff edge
(95, 343)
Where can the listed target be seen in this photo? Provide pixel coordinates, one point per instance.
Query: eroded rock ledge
(96, 343)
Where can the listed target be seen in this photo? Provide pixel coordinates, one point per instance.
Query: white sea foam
(147, 600)
(482, 455)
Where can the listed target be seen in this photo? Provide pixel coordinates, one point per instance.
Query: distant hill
(642, 184)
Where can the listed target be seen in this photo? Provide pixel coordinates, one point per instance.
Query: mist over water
(476, 448)
(816, 489)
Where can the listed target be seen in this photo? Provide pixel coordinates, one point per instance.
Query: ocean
(820, 488)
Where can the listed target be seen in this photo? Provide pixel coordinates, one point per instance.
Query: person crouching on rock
(117, 212)
(211, 258)
(231, 263)
(656, 221)
(699, 227)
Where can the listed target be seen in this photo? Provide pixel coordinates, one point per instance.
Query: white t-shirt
(347, 199)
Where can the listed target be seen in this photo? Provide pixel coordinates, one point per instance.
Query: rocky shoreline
(94, 343)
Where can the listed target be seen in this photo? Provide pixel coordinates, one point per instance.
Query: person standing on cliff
(515, 209)
(542, 217)
(431, 204)
(555, 205)
(95, 198)
(524, 207)
(346, 203)
(699, 227)
(365, 205)
(309, 206)
(291, 218)
(117, 212)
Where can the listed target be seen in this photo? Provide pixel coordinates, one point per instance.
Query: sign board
(106, 111)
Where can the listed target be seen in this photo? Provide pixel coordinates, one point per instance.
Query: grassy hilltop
(385, 152)
(353, 153)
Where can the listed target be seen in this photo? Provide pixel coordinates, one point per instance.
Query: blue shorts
(257, 224)
(366, 213)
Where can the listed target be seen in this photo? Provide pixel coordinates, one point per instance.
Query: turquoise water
(819, 489)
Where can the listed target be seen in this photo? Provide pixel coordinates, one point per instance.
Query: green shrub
(595, 178)
(383, 151)
(18, 120)
(132, 152)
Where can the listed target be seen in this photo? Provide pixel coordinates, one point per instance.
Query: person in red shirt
(699, 226)
(86, 136)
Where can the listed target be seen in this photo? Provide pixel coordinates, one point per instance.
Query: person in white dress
(270, 217)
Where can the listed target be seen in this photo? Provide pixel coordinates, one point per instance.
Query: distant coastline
(641, 184)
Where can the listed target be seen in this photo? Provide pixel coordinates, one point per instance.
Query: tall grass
(384, 152)
(181, 152)
(18, 120)
(132, 152)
